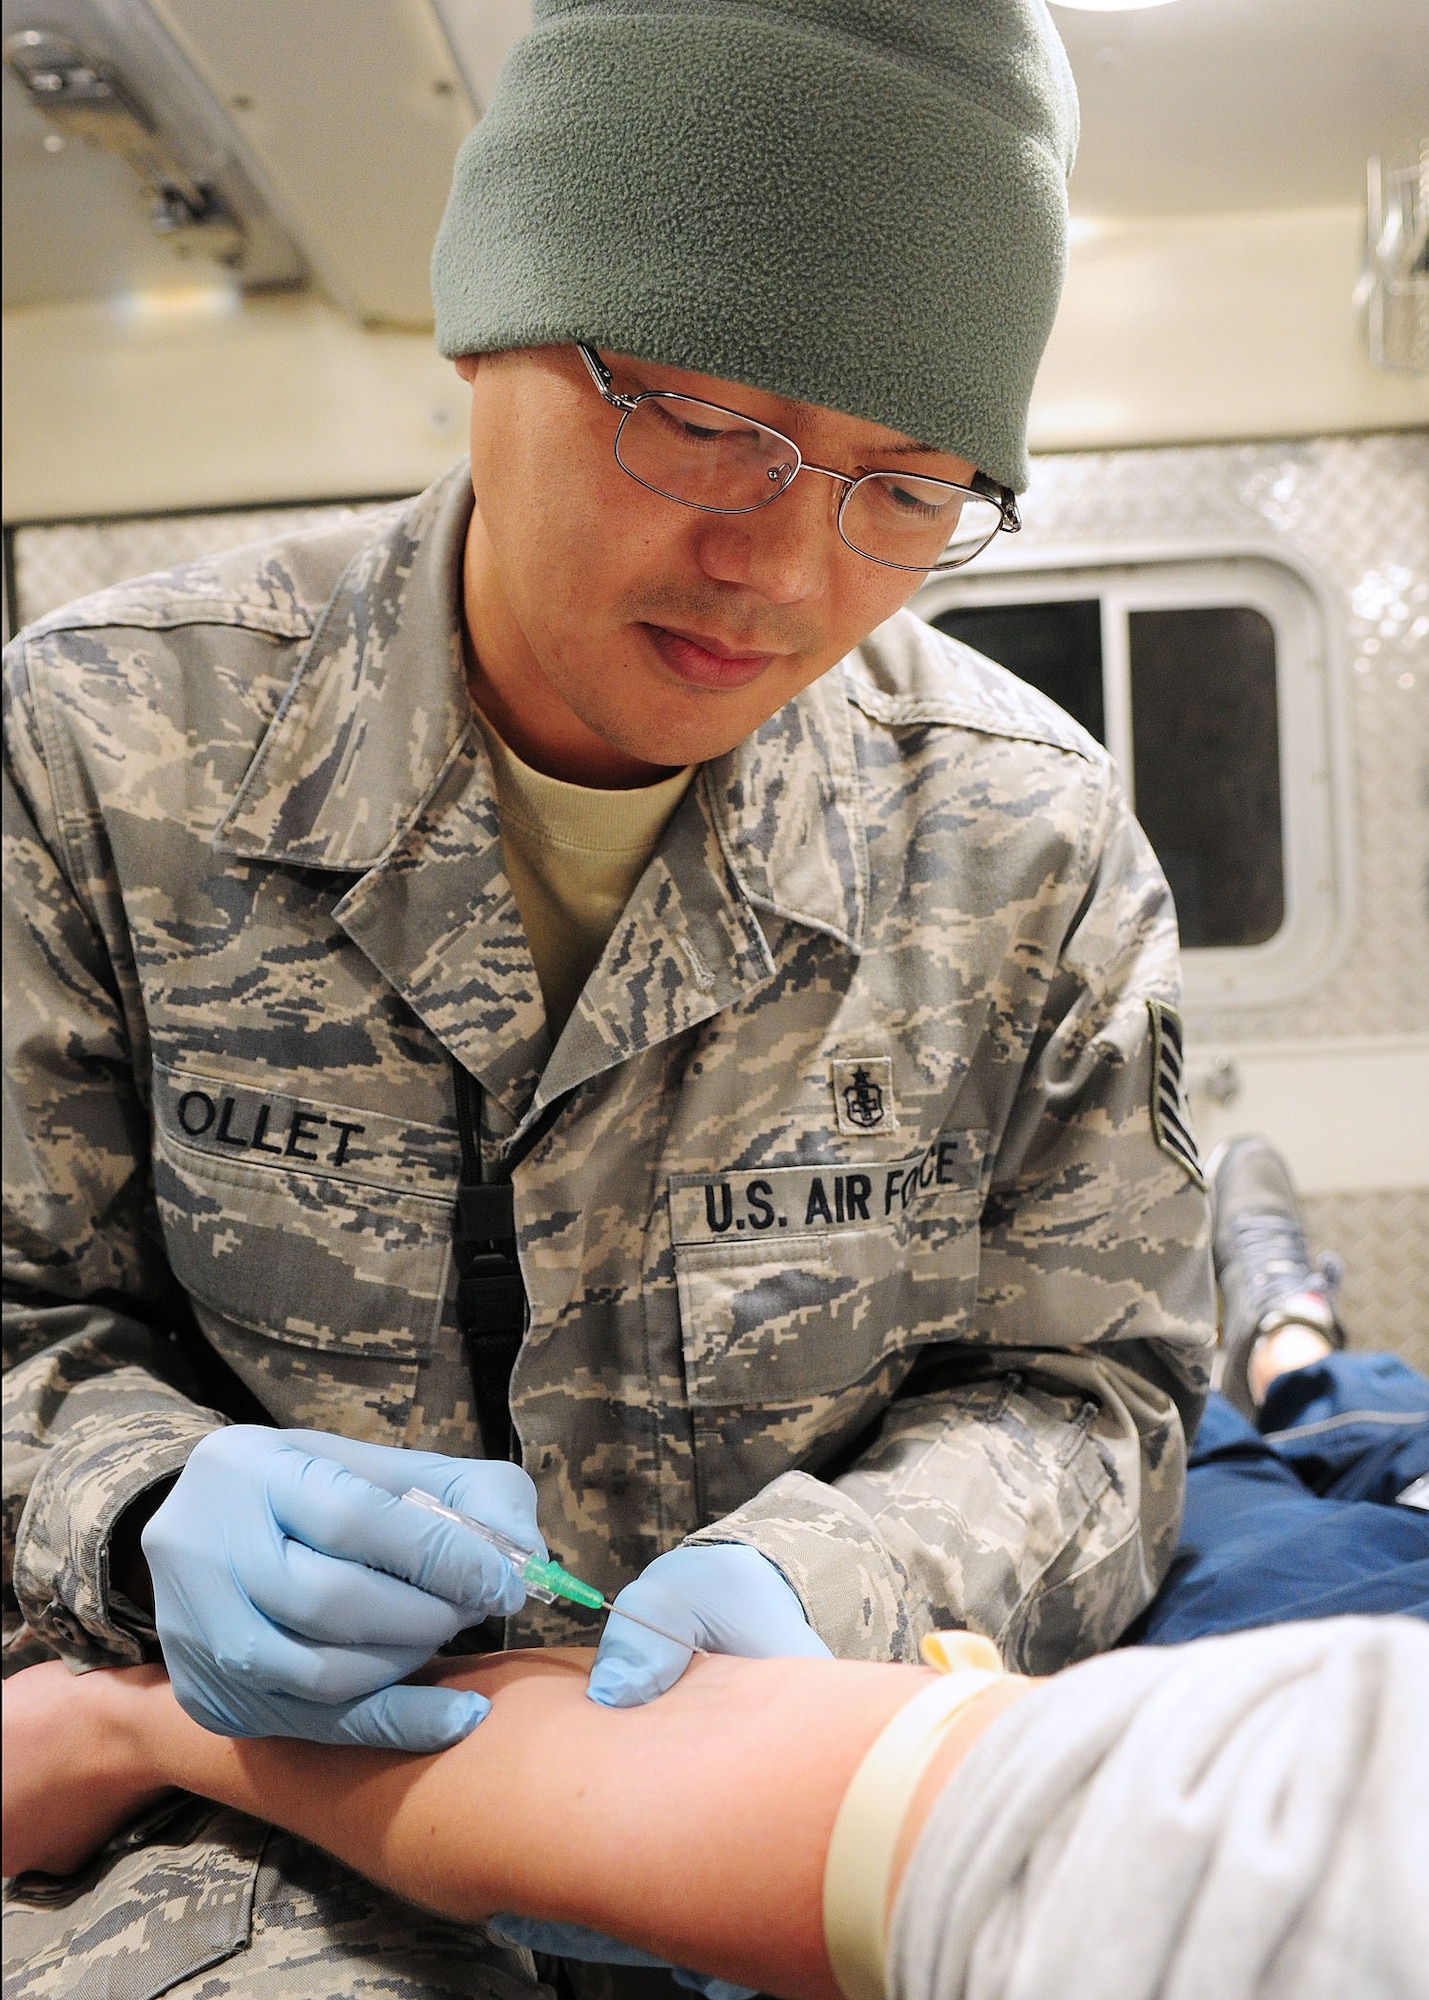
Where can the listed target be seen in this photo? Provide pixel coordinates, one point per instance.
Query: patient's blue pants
(1298, 1518)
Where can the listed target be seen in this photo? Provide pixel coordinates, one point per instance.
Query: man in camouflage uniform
(861, 1238)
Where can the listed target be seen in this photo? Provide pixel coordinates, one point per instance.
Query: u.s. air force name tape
(813, 1200)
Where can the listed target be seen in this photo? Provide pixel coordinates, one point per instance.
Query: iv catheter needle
(544, 1580)
(658, 1630)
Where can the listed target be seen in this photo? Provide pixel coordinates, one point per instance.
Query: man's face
(615, 630)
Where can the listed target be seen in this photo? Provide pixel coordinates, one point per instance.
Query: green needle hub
(550, 1576)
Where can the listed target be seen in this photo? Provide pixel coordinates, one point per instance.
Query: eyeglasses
(722, 462)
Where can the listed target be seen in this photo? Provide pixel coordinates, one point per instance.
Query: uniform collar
(378, 704)
(788, 809)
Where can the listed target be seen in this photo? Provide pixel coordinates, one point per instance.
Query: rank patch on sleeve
(1170, 1112)
(863, 1095)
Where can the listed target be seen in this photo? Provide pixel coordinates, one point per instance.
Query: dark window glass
(1206, 752)
(1057, 647)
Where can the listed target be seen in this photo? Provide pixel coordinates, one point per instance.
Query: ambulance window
(1208, 680)
(1205, 741)
(1204, 757)
(1057, 647)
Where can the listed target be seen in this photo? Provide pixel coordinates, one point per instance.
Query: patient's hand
(75, 1766)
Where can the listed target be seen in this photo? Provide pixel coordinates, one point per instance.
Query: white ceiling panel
(75, 218)
(1212, 105)
(481, 33)
(356, 108)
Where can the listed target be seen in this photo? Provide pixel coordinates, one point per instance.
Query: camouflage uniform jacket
(864, 1236)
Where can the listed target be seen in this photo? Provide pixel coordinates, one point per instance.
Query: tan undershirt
(573, 856)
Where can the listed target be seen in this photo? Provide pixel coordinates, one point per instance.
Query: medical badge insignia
(863, 1101)
(1170, 1112)
(863, 1095)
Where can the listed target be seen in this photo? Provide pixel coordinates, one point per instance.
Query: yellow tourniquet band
(860, 1858)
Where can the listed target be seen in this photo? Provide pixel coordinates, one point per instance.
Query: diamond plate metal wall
(1383, 1237)
(55, 564)
(1355, 511)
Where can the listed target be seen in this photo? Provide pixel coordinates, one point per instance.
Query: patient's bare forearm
(695, 1827)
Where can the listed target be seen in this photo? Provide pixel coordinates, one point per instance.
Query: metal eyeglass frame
(979, 488)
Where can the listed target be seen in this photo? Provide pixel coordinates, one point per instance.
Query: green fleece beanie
(856, 203)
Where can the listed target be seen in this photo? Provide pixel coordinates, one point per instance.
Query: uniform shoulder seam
(276, 586)
(116, 611)
(899, 713)
(909, 674)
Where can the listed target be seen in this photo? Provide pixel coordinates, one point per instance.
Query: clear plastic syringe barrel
(544, 1580)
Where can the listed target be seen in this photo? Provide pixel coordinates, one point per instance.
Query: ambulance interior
(217, 324)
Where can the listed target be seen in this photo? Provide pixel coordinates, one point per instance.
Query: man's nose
(782, 551)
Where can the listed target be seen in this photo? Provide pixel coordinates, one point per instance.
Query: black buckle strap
(492, 1309)
(490, 1295)
(486, 1214)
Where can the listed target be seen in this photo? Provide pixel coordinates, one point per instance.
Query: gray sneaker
(1263, 1266)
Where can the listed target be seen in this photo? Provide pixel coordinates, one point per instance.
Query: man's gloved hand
(726, 1596)
(292, 1586)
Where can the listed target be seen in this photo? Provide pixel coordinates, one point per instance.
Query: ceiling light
(1110, 6)
(175, 305)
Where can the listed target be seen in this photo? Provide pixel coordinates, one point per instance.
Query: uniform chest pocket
(298, 1245)
(799, 1282)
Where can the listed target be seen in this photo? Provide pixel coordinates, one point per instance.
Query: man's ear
(466, 366)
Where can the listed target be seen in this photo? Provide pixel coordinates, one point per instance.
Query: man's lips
(705, 661)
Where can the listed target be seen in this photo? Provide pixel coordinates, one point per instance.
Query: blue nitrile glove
(726, 1596)
(292, 1586)
(575, 1941)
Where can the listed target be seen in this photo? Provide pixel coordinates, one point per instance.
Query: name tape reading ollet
(287, 1133)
